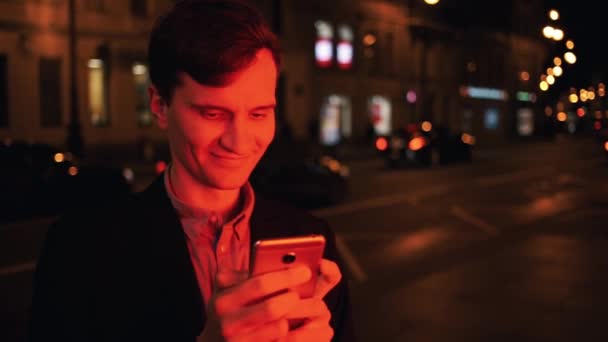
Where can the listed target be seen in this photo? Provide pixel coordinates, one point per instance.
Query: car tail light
(597, 125)
(160, 166)
(417, 143)
(381, 144)
(467, 139)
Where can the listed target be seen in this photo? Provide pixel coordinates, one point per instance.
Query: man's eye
(260, 115)
(212, 115)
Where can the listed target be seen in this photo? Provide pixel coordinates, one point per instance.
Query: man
(170, 263)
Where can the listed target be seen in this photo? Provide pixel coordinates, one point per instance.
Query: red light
(580, 112)
(417, 143)
(597, 125)
(160, 166)
(381, 144)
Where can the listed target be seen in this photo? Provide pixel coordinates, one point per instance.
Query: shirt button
(222, 249)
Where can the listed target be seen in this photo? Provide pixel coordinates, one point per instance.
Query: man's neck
(197, 195)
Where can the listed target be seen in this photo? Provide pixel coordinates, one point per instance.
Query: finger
(315, 330)
(273, 331)
(252, 317)
(228, 278)
(258, 287)
(311, 308)
(329, 278)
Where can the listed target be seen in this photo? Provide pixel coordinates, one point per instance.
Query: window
(324, 46)
(344, 48)
(98, 98)
(3, 91)
(50, 92)
(139, 8)
(379, 108)
(335, 120)
(142, 80)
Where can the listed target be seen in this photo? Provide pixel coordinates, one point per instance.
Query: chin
(224, 183)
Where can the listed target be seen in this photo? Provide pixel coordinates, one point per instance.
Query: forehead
(253, 86)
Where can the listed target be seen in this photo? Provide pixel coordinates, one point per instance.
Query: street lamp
(553, 14)
(431, 2)
(570, 44)
(548, 31)
(557, 71)
(570, 57)
(558, 34)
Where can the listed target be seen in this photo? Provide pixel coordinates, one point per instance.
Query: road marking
(473, 220)
(19, 268)
(350, 260)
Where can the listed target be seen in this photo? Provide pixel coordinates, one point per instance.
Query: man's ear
(158, 106)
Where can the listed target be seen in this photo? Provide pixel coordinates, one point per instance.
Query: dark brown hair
(210, 40)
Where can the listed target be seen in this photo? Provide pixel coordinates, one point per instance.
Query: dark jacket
(123, 272)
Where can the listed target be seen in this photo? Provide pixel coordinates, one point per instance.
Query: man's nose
(238, 137)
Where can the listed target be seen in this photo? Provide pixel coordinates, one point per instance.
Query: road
(511, 247)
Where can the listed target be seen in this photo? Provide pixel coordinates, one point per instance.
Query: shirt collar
(187, 211)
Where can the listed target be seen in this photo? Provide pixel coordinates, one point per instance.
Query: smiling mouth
(229, 157)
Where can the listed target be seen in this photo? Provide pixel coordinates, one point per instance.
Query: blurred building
(351, 69)
(111, 69)
(357, 68)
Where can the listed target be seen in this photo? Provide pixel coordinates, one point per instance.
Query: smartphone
(281, 253)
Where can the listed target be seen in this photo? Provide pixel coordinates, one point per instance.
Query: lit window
(379, 108)
(97, 93)
(344, 49)
(324, 45)
(142, 81)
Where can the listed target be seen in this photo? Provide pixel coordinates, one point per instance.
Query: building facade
(351, 70)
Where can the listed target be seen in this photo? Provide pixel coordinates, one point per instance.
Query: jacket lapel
(169, 249)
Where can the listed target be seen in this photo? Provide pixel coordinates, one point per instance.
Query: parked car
(425, 145)
(39, 180)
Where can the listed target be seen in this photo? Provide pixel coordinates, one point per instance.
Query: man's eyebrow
(202, 107)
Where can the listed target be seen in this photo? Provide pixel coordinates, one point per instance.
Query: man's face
(218, 134)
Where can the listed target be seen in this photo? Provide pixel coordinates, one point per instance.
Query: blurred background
(458, 149)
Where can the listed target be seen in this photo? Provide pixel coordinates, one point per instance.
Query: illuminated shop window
(97, 94)
(344, 49)
(324, 46)
(525, 121)
(491, 118)
(142, 81)
(335, 121)
(379, 108)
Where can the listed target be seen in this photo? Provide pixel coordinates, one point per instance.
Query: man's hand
(253, 309)
(312, 313)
